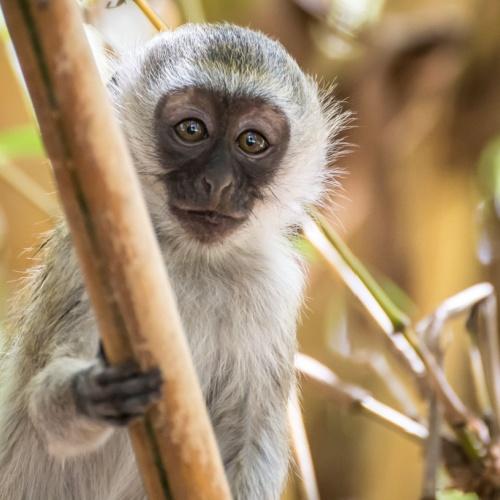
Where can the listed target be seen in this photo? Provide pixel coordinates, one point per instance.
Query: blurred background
(418, 202)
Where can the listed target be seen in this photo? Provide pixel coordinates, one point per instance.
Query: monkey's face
(220, 155)
(231, 140)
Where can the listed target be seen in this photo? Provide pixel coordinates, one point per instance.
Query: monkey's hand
(116, 394)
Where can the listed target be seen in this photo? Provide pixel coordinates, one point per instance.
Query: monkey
(232, 143)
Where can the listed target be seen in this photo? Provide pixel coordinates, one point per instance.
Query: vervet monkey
(231, 141)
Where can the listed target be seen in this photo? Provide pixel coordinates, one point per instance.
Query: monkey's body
(225, 241)
(242, 345)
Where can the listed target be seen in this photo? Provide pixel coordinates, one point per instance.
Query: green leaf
(489, 168)
(456, 495)
(306, 249)
(21, 142)
(4, 34)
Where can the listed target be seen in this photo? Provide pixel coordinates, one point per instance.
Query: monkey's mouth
(209, 216)
(207, 226)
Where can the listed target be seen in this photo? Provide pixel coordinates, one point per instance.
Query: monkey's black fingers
(129, 387)
(109, 374)
(121, 420)
(134, 406)
(116, 392)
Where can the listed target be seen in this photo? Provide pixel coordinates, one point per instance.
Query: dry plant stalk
(122, 266)
(301, 451)
(353, 397)
(416, 357)
(151, 15)
(391, 321)
(145, 8)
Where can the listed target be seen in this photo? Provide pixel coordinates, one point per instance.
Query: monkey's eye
(191, 130)
(251, 142)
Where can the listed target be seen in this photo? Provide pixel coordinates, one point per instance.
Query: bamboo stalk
(115, 243)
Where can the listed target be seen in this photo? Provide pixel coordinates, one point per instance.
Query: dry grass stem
(482, 326)
(356, 398)
(479, 380)
(151, 15)
(301, 450)
(471, 431)
(458, 304)
(432, 449)
(342, 265)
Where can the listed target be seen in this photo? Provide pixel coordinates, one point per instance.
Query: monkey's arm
(73, 398)
(54, 338)
(74, 403)
(54, 413)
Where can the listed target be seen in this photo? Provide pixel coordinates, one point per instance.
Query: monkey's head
(229, 136)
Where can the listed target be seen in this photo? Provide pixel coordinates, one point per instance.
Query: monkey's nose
(216, 186)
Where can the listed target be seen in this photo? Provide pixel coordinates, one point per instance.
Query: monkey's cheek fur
(207, 226)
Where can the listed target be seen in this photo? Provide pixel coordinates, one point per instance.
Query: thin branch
(431, 335)
(146, 10)
(399, 320)
(473, 300)
(479, 379)
(151, 15)
(472, 432)
(460, 303)
(482, 326)
(355, 398)
(432, 451)
(301, 450)
(342, 261)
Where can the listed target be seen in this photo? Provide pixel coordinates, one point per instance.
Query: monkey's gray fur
(238, 299)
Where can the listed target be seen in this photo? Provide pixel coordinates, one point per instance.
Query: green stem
(397, 317)
(472, 445)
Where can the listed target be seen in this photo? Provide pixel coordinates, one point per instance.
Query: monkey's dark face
(220, 155)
